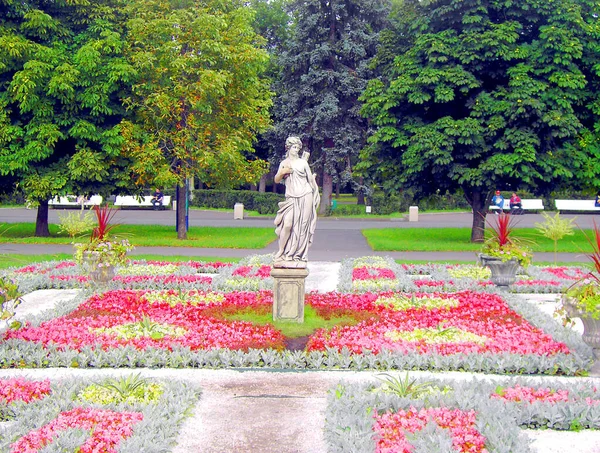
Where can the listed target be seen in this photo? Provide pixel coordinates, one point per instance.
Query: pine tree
(325, 67)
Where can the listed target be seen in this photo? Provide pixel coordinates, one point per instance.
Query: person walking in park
(296, 218)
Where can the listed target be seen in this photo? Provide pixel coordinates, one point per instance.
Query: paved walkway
(335, 239)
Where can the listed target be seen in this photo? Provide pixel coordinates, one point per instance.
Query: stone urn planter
(485, 259)
(591, 326)
(504, 273)
(99, 272)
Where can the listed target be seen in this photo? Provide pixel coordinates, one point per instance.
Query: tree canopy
(485, 94)
(200, 97)
(62, 71)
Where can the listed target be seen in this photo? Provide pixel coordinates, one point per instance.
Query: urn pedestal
(99, 272)
(591, 326)
(504, 273)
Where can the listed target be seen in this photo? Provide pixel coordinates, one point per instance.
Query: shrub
(76, 223)
(263, 203)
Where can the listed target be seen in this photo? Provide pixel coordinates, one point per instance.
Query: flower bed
(468, 323)
(404, 415)
(367, 274)
(137, 274)
(146, 320)
(464, 331)
(62, 416)
(374, 274)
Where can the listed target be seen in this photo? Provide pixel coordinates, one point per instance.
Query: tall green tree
(62, 72)
(485, 94)
(200, 98)
(325, 67)
(273, 22)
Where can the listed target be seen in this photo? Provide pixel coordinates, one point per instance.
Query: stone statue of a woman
(297, 216)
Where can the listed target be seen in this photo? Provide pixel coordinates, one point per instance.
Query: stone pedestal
(288, 294)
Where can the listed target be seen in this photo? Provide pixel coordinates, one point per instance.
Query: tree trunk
(41, 220)
(479, 202)
(262, 184)
(181, 195)
(327, 192)
(337, 189)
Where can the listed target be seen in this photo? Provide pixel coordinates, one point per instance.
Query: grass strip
(291, 329)
(152, 236)
(459, 240)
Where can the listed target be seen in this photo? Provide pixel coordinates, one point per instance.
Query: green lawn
(458, 240)
(153, 235)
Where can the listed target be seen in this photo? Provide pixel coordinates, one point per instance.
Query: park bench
(129, 201)
(576, 205)
(527, 204)
(75, 201)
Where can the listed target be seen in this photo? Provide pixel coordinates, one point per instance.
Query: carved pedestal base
(288, 294)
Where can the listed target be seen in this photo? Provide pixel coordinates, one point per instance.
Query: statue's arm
(282, 172)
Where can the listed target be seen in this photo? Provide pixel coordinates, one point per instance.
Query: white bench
(75, 201)
(527, 204)
(128, 201)
(576, 205)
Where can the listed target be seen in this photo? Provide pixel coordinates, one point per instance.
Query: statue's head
(292, 140)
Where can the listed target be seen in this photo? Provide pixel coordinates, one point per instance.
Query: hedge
(263, 203)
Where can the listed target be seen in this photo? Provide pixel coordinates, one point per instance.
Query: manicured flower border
(362, 275)
(177, 329)
(365, 274)
(137, 274)
(62, 418)
(369, 417)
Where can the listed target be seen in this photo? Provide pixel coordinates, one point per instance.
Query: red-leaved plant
(502, 229)
(595, 243)
(104, 216)
(586, 292)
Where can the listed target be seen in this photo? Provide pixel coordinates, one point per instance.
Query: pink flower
(372, 273)
(391, 429)
(20, 389)
(107, 429)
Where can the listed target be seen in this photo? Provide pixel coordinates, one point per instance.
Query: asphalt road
(335, 238)
(222, 219)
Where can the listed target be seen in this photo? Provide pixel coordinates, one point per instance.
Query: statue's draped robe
(298, 210)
